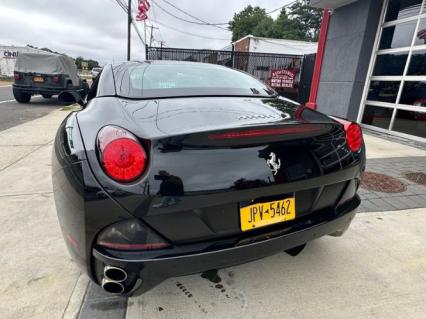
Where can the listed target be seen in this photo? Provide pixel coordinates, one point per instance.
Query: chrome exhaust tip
(112, 287)
(115, 274)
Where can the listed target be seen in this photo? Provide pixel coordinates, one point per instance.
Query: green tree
(286, 28)
(299, 22)
(78, 61)
(246, 21)
(91, 63)
(306, 20)
(265, 28)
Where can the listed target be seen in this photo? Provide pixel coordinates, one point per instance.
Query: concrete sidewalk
(377, 270)
(41, 279)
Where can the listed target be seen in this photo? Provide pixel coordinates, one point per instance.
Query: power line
(282, 7)
(122, 5)
(189, 33)
(201, 22)
(126, 10)
(135, 10)
(138, 32)
(159, 31)
(185, 20)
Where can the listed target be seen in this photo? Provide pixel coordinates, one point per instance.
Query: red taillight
(17, 76)
(354, 137)
(56, 78)
(353, 134)
(122, 156)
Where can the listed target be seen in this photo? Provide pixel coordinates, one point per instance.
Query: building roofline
(274, 39)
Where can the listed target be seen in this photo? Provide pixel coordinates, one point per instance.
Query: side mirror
(70, 97)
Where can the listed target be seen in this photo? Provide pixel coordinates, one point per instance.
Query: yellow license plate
(264, 214)
(38, 79)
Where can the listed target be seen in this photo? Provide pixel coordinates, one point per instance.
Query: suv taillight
(121, 155)
(56, 78)
(17, 76)
(353, 131)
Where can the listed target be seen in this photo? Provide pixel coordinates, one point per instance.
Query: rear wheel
(21, 97)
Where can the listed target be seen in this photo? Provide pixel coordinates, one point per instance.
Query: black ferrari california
(175, 168)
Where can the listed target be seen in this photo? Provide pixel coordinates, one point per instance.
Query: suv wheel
(21, 97)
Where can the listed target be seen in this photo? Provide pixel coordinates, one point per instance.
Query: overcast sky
(97, 28)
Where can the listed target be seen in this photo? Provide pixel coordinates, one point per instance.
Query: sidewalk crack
(24, 156)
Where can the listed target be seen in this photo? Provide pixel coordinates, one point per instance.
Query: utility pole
(129, 27)
(161, 50)
(151, 34)
(144, 30)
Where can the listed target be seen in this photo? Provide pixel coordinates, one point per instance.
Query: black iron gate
(259, 65)
(306, 74)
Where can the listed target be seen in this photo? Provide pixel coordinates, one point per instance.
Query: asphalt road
(13, 113)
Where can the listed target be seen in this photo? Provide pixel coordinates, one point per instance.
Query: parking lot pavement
(13, 113)
(5, 92)
(41, 280)
(376, 270)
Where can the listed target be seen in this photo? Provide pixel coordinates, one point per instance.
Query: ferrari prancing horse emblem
(274, 163)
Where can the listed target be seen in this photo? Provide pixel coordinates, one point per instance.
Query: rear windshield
(148, 80)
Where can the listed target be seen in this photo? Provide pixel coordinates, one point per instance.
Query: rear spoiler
(253, 135)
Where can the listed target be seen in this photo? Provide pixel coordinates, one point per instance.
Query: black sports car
(175, 168)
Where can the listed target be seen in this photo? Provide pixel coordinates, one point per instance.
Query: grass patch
(72, 107)
(5, 78)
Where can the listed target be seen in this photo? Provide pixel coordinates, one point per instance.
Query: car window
(146, 80)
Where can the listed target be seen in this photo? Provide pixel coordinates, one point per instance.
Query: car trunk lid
(209, 155)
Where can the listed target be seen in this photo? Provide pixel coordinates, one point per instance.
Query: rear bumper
(38, 90)
(42, 90)
(151, 272)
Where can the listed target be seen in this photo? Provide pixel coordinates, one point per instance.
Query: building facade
(8, 55)
(374, 65)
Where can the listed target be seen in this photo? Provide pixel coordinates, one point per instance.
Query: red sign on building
(283, 78)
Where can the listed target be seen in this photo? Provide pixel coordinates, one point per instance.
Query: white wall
(8, 55)
(265, 45)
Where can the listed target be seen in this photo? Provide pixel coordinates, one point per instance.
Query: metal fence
(259, 65)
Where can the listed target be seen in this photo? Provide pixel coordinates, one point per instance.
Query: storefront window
(395, 93)
(408, 122)
(400, 9)
(414, 93)
(383, 91)
(418, 63)
(421, 33)
(398, 36)
(390, 64)
(377, 116)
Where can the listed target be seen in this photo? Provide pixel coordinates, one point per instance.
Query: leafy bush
(6, 78)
